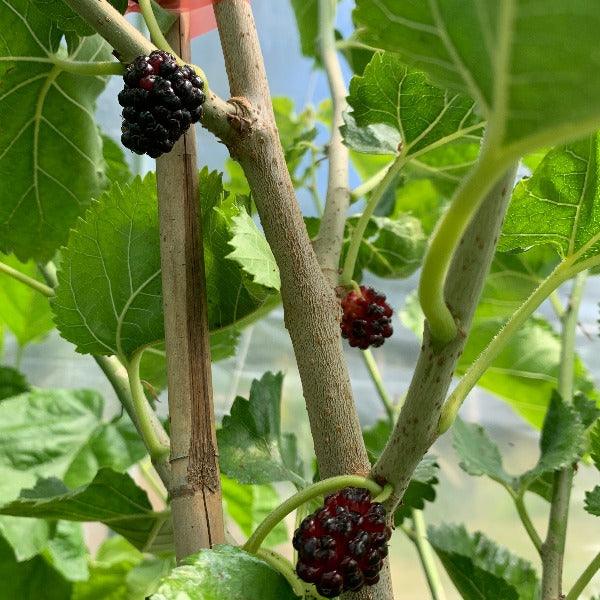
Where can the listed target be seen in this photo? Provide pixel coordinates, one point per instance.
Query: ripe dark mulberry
(160, 101)
(342, 545)
(367, 318)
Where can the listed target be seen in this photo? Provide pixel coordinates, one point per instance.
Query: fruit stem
(386, 492)
(156, 33)
(285, 567)
(157, 448)
(38, 286)
(359, 232)
(320, 488)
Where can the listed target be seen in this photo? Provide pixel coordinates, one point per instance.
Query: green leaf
(109, 300)
(60, 433)
(116, 167)
(27, 537)
(144, 579)
(508, 56)
(424, 117)
(114, 562)
(67, 551)
(307, 18)
(253, 253)
(390, 248)
(111, 498)
(559, 205)
(51, 135)
(592, 501)
(224, 573)
(12, 382)
(24, 310)
(478, 454)
(68, 20)
(561, 442)
(480, 569)
(248, 505)
(251, 445)
(30, 580)
(595, 445)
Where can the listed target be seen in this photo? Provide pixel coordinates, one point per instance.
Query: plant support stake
(195, 489)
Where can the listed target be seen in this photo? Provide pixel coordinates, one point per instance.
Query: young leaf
(592, 501)
(532, 98)
(111, 498)
(478, 454)
(561, 441)
(424, 117)
(30, 580)
(252, 252)
(479, 569)
(224, 573)
(559, 205)
(251, 445)
(109, 300)
(24, 310)
(248, 505)
(421, 488)
(50, 136)
(12, 382)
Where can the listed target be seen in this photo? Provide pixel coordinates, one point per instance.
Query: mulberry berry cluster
(341, 547)
(367, 318)
(160, 101)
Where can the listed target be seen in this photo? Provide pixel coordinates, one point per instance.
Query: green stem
(584, 578)
(285, 567)
(527, 523)
(34, 284)
(445, 240)
(147, 425)
(369, 185)
(320, 488)
(561, 274)
(90, 68)
(361, 226)
(553, 549)
(426, 556)
(371, 365)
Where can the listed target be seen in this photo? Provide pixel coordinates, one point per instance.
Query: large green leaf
(30, 580)
(307, 18)
(116, 167)
(60, 433)
(559, 205)
(479, 455)
(252, 448)
(50, 136)
(479, 569)
(67, 551)
(224, 573)
(424, 118)
(391, 248)
(111, 498)
(109, 300)
(248, 505)
(67, 19)
(508, 56)
(24, 310)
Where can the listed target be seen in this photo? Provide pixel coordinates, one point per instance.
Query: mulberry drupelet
(367, 318)
(160, 101)
(341, 547)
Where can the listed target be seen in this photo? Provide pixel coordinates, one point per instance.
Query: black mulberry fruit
(367, 318)
(160, 101)
(341, 547)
